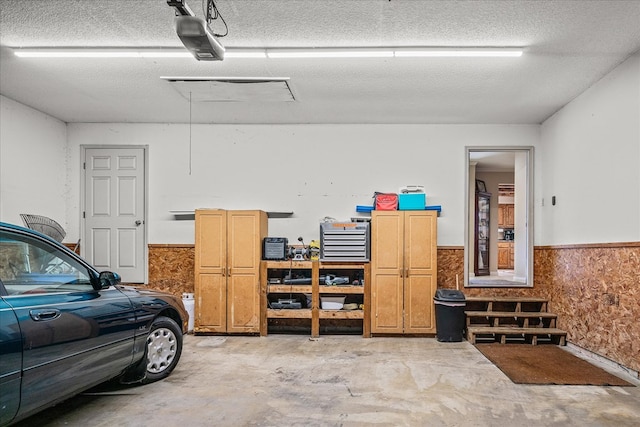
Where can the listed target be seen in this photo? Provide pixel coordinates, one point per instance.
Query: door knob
(138, 222)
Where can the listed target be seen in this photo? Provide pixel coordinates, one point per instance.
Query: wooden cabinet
(403, 272)
(227, 270)
(509, 216)
(316, 288)
(505, 255)
(506, 215)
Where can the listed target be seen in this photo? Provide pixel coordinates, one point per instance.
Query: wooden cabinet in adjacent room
(506, 217)
(403, 272)
(505, 255)
(227, 270)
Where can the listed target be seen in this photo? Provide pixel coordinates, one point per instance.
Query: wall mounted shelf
(186, 215)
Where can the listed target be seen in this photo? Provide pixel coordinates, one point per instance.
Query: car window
(31, 266)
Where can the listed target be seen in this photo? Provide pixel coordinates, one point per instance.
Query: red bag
(386, 202)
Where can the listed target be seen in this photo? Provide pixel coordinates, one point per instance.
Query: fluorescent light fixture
(245, 53)
(181, 53)
(127, 53)
(347, 52)
(102, 53)
(330, 53)
(444, 52)
(24, 53)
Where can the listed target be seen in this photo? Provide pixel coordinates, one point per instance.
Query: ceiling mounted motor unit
(195, 33)
(197, 37)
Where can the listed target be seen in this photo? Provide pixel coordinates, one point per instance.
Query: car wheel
(164, 346)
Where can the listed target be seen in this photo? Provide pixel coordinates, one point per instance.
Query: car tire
(164, 347)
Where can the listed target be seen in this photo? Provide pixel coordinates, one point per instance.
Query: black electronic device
(274, 248)
(290, 305)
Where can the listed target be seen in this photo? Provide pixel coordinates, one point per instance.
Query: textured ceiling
(569, 45)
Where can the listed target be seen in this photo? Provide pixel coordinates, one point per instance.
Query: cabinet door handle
(224, 271)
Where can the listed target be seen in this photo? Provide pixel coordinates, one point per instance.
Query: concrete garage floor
(293, 380)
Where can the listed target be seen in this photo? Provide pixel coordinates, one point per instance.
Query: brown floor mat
(546, 364)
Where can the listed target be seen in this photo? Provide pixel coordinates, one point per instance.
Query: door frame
(83, 201)
(529, 211)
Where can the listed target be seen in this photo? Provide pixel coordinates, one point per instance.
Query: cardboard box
(412, 201)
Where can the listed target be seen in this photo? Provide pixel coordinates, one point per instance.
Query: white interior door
(114, 211)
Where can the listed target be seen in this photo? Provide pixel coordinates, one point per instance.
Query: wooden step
(502, 332)
(530, 314)
(506, 299)
(507, 303)
(497, 315)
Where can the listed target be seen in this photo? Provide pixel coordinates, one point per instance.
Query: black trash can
(450, 305)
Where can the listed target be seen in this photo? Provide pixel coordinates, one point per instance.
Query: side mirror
(108, 278)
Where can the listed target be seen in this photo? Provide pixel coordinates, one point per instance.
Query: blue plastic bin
(412, 201)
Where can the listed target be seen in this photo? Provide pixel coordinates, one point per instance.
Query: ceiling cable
(212, 13)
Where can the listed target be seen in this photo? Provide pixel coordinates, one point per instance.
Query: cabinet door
(509, 216)
(420, 274)
(210, 271)
(245, 230)
(211, 303)
(503, 256)
(386, 269)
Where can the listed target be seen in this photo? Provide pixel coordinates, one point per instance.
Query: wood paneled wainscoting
(593, 288)
(171, 268)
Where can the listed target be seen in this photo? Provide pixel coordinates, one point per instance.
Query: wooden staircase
(523, 319)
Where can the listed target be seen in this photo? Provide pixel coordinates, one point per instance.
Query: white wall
(590, 151)
(312, 170)
(33, 167)
(587, 155)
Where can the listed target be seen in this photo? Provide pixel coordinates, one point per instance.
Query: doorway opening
(499, 235)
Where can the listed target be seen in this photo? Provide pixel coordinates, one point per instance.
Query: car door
(73, 336)
(10, 362)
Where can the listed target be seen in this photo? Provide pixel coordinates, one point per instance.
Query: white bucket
(332, 302)
(189, 304)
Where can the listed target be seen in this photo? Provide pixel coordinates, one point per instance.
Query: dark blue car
(65, 327)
